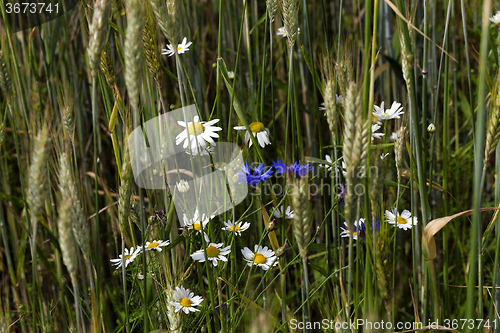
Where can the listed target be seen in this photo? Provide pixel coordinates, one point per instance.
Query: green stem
(478, 166)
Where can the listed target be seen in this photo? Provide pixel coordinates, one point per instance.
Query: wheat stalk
(5, 82)
(125, 190)
(68, 190)
(133, 52)
(302, 232)
(173, 317)
(69, 122)
(353, 146)
(2, 134)
(493, 129)
(272, 8)
(301, 225)
(37, 174)
(107, 67)
(398, 150)
(331, 106)
(167, 18)
(290, 12)
(383, 268)
(151, 49)
(102, 9)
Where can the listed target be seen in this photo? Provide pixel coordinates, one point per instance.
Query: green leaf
(309, 63)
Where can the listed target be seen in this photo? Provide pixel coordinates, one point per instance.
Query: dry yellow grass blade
(433, 227)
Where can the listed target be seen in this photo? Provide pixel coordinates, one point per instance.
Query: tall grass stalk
(478, 166)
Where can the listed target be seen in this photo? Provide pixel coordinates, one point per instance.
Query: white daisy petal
(260, 257)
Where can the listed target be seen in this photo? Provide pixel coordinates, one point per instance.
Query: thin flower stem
(124, 281)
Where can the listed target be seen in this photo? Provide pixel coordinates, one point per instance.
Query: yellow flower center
(153, 245)
(401, 220)
(185, 302)
(212, 252)
(128, 256)
(257, 127)
(197, 226)
(259, 258)
(355, 233)
(179, 48)
(196, 127)
(374, 119)
(235, 228)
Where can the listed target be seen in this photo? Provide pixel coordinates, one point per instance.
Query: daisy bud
(185, 232)
(431, 128)
(271, 226)
(281, 250)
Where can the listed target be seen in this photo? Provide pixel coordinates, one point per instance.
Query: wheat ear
(102, 9)
(133, 52)
(125, 190)
(290, 12)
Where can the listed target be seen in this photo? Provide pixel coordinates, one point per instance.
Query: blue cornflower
(359, 229)
(301, 170)
(342, 192)
(253, 178)
(280, 167)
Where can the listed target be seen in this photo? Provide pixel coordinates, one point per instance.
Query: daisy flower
(198, 132)
(237, 227)
(215, 252)
(282, 32)
(261, 256)
(253, 178)
(182, 186)
(335, 164)
(327, 167)
(375, 128)
(156, 245)
(200, 151)
(130, 255)
(382, 114)
(343, 167)
(495, 19)
(185, 300)
(196, 224)
(181, 48)
(278, 213)
(258, 130)
(338, 99)
(404, 220)
(359, 229)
